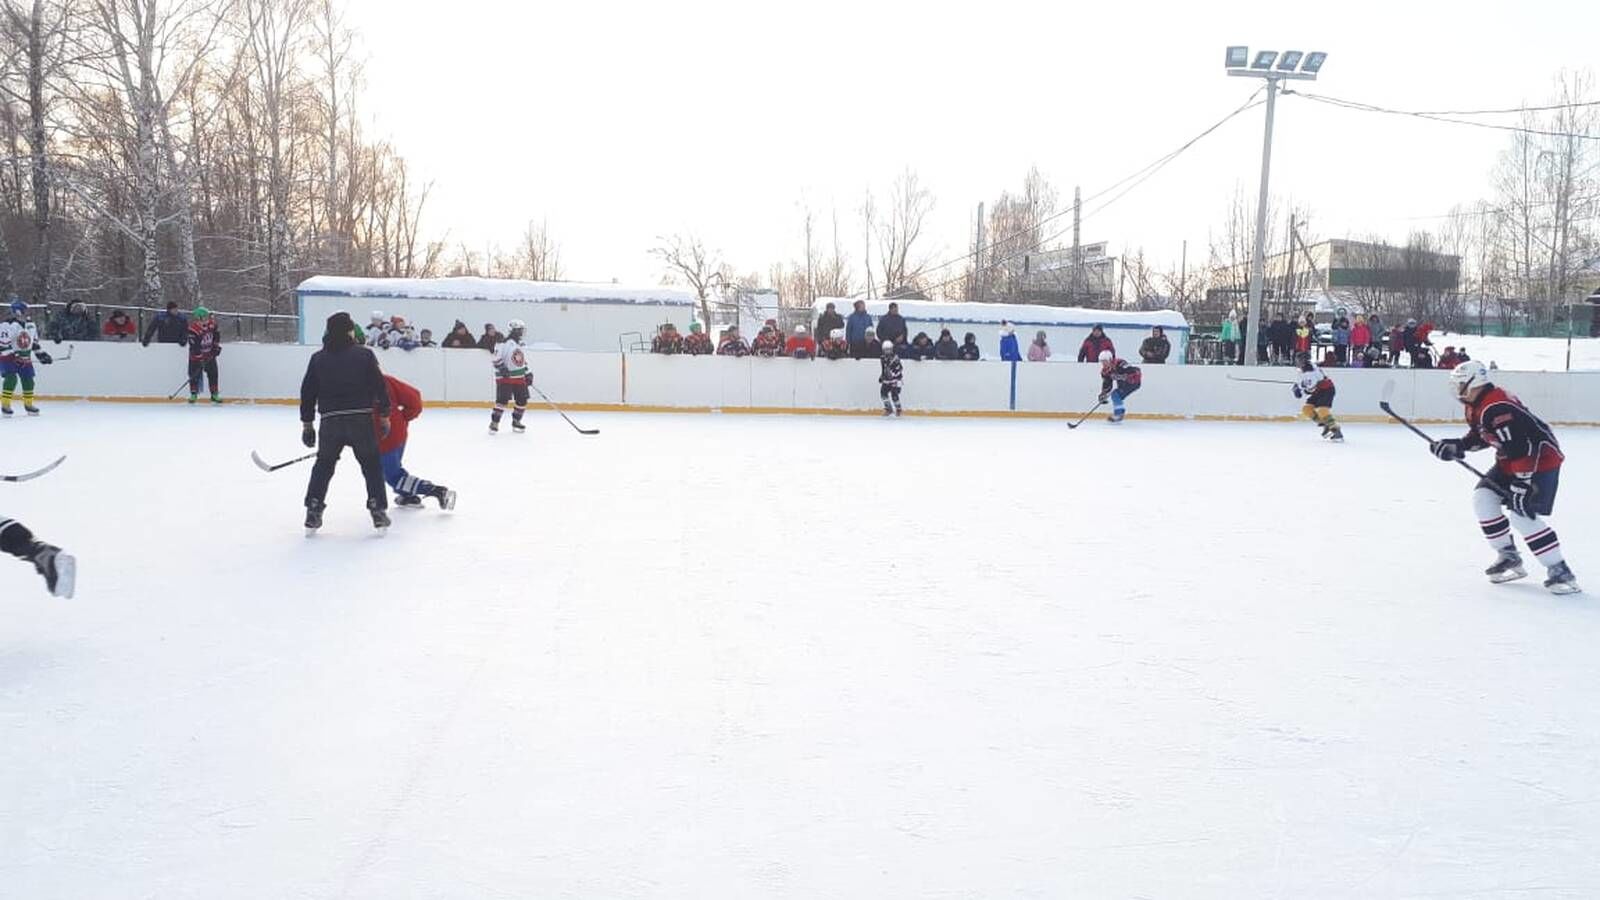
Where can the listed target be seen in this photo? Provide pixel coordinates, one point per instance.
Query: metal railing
(233, 326)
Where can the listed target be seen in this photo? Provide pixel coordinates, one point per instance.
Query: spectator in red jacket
(1094, 344)
(119, 327)
(801, 346)
(1360, 336)
(405, 404)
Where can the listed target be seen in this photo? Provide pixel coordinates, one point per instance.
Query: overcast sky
(618, 122)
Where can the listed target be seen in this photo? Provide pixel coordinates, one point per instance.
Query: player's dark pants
(510, 392)
(356, 431)
(16, 539)
(889, 392)
(209, 369)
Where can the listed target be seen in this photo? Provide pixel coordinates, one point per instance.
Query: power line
(1137, 178)
(1506, 111)
(1436, 117)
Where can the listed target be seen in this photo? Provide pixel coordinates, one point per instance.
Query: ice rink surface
(718, 656)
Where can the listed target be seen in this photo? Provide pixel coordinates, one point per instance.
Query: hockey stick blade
(1085, 416)
(559, 412)
(29, 476)
(267, 467)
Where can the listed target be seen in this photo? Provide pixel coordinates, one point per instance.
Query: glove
(216, 351)
(1104, 397)
(44, 358)
(383, 428)
(528, 379)
(308, 434)
(1448, 449)
(1298, 393)
(1519, 492)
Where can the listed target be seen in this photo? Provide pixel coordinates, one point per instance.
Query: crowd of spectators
(1347, 342)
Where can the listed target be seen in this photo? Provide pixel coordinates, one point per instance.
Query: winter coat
(767, 343)
(855, 327)
(698, 343)
(892, 327)
(1302, 339)
(490, 340)
(826, 323)
(1282, 334)
(1230, 330)
(1360, 334)
(1038, 352)
(733, 346)
(73, 324)
(834, 349)
(167, 328)
(460, 338)
(405, 404)
(342, 378)
(120, 329)
(1008, 348)
(971, 353)
(670, 343)
(1341, 333)
(801, 346)
(1089, 351)
(1155, 349)
(946, 348)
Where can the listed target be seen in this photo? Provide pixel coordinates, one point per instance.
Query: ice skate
(217, 399)
(193, 398)
(60, 570)
(380, 519)
(887, 411)
(494, 426)
(445, 496)
(407, 501)
(314, 516)
(1561, 580)
(1116, 417)
(517, 427)
(1507, 568)
(30, 409)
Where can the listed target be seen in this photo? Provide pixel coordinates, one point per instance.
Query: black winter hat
(340, 325)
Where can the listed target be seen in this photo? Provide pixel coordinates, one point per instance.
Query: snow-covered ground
(1523, 354)
(718, 656)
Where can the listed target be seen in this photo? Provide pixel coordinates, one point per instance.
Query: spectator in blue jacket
(168, 327)
(1008, 343)
(855, 332)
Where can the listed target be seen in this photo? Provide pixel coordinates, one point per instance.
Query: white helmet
(888, 346)
(1467, 376)
(837, 334)
(1105, 356)
(515, 325)
(378, 316)
(799, 329)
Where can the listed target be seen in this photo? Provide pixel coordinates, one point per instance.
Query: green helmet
(200, 312)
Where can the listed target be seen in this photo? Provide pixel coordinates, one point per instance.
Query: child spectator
(834, 346)
(698, 343)
(801, 346)
(1039, 350)
(667, 340)
(946, 347)
(426, 340)
(491, 337)
(119, 327)
(1302, 338)
(769, 342)
(969, 348)
(732, 344)
(1230, 338)
(1449, 359)
(1360, 337)
(1008, 343)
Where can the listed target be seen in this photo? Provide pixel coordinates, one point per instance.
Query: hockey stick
(1259, 380)
(265, 467)
(562, 414)
(29, 476)
(1388, 394)
(174, 394)
(1086, 415)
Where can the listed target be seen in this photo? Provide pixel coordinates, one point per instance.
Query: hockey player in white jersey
(1317, 389)
(19, 347)
(511, 378)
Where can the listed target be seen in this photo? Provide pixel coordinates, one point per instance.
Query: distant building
(1348, 274)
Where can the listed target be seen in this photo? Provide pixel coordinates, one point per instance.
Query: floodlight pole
(1258, 259)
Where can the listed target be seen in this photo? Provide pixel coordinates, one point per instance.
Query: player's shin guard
(1540, 538)
(1496, 527)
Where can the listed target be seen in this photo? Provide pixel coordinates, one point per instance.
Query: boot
(1507, 568)
(193, 397)
(445, 496)
(494, 426)
(407, 500)
(216, 398)
(380, 519)
(60, 570)
(1561, 580)
(314, 510)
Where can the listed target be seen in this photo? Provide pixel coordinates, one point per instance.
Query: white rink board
(273, 372)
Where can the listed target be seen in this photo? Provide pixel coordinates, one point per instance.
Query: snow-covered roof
(504, 289)
(1015, 313)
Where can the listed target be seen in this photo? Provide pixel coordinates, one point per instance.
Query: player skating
(890, 379)
(19, 342)
(58, 567)
(1526, 473)
(1317, 389)
(1117, 381)
(511, 378)
(343, 382)
(405, 404)
(205, 345)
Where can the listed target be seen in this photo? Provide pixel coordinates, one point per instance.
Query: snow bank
(1525, 354)
(501, 289)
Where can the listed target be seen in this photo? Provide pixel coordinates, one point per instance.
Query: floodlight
(1290, 60)
(1313, 63)
(1238, 57)
(1265, 59)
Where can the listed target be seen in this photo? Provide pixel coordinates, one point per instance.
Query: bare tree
(1016, 228)
(901, 256)
(686, 258)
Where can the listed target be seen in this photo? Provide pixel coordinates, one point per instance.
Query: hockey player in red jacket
(405, 404)
(1117, 381)
(1526, 473)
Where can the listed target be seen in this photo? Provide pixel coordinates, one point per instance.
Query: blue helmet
(17, 306)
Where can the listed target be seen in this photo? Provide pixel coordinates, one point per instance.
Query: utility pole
(1077, 247)
(1183, 276)
(977, 261)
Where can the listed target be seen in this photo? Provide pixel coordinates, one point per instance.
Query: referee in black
(344, 383)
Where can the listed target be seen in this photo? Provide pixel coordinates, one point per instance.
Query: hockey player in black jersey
(58, 567)
(889, 380)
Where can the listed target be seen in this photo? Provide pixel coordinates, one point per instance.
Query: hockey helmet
(18, 305)
(515, 325)
(377, 316)
(837, 334)
(888, 346)
(200, 312)
(1467, 377)
(799, 329)
(1105, 357)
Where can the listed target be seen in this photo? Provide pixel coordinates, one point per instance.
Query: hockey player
(19, 340)
(405, 404)
(1317, 389)
(511, 378)
(344, 384)
(58, 568)
(1117, 381)
(889, 379)
(205, 345)
(1526, 473)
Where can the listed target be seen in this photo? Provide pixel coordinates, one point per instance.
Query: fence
(234, 326)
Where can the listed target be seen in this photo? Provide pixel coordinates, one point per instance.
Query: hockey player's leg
(8, 389)
(329, 445)
(364, 443)
(27, 391)
(211, 378)
(58, 569)
(502, 396)
(519, 393)
(195, 368)
(883, 394)
(1497, 531)
(1118, 410)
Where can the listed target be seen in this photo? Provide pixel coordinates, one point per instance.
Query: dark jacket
(460, 338)
(947, 348)
(891, 327)
(168, 328)
(205, 343)
(970, 350)
(1281, 334)
(343, 379)
(826, 323)
(73, 324)
(1155, 349)
(490, 340)
(921, 348)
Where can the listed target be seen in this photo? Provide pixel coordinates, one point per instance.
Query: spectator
(1303, 332)
(828, 321)
(946, 347)
(732, 344)
(1397, 344)
(768, 342)
(490, 338)
(1375, 326)
(1422, 358)
(459, 338)
(834, 346)
(801, 346)
(1360, 337)
(667, 340)
(872, 340)
(73, 323)
(168, 327)
(1281, 340)
(1089, 350)
(404, 336)
(1341, 340)
(426, 340)
(119, 327)
(1449, 359)
(1230, 337)
(698, 343)
(921, 346)
(1461, 356)
(969, 348)
(855, 332)
(1374, 358)
(1039, 350)
(892, 327)
(377, 332)
(1008, 343)
(1156, 348)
